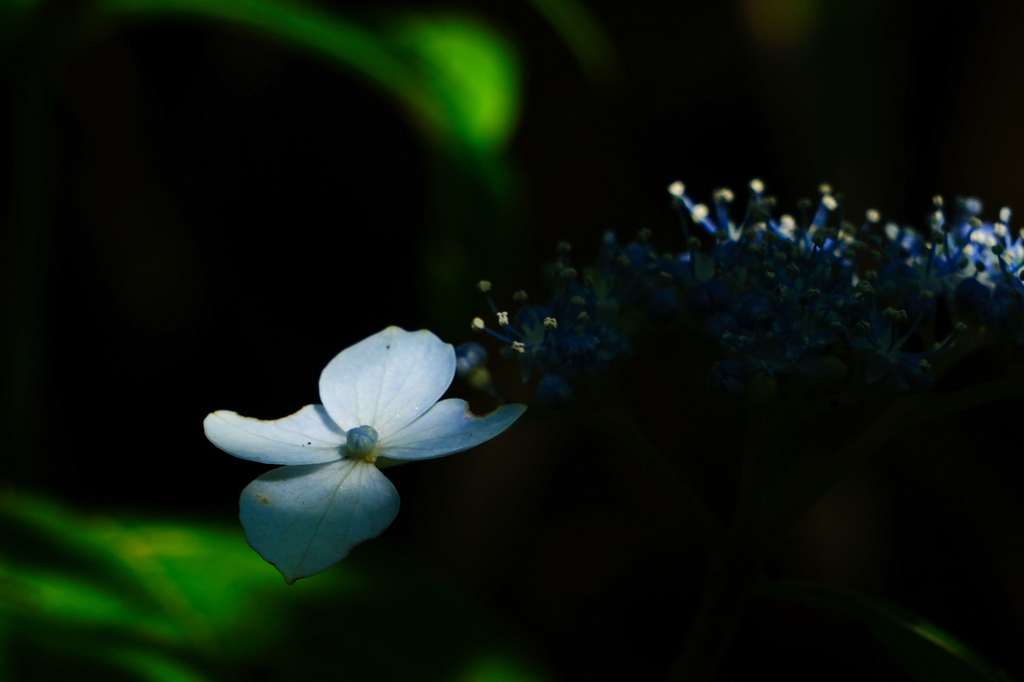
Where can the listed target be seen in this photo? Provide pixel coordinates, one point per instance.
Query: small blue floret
(553, 390)
(469, 356)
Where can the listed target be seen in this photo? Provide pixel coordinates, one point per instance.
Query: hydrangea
(577, 331)
(822, 298)
(380, 405)
(812, 295)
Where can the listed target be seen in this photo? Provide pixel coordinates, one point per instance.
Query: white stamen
(519, 346)
(477, 324)
(1004, 214)
(756, 186)
(872, 216)
(483, 285)
(550, 323)
(825, 188)
(676, 189)
(503, 319)
(699, 213)
(979, 237)
(787, 225)
(829, 202)
(724, 194)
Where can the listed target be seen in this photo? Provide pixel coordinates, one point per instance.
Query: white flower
(380, 402)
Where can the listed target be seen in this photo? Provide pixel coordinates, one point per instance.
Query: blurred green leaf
(12, 13)
(154, 667)
(65, 601)
(496, 669)
(585, 37)
(116, 598)
(924, 650)
(19, 5)
(460, 86)
(307, 27)
(459, 81)
(471, 69)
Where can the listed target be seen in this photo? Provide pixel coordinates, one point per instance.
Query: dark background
(230, 214)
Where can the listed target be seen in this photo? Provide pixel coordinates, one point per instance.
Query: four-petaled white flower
(380, 403)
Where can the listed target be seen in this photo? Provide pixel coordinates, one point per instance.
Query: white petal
(303, 519)
(387, 380)
(446, 428)
(306, 437)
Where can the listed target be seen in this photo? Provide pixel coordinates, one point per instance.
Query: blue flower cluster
(578, 330)
(810, 296)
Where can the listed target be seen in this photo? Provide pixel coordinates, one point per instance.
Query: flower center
(361, 443)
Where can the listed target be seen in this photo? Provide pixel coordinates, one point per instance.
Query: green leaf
(94, 596)
(469, 68)
(64, 601)
(497, 669)
(153, 667)
(301, 25)
(926, 652)
(457, 79)
(584, 36)
(12, 11)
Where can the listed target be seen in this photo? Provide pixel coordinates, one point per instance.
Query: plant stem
(609, 414)
(25, 247)
(718, 617)
(906, 413)
(731, 580)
